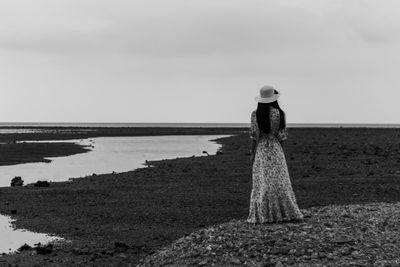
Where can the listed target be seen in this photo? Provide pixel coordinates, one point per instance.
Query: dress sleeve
(254, 131)
(282, 135)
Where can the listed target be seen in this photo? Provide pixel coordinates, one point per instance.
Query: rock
(17, 181)
(280, 251)
(13, 212)
(346, 251)
(196, 254)
(330, 256)
(202, 263)
(81, 251)
(300, 252)
(268, 264)
(43, 250)
(235, 261)
(120, 247)
(24, 247)
(314, 256)
(342, 240)
(321, 255)
(122, 255)
(42, 184)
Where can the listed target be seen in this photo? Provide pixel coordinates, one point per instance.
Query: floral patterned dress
(272, 197)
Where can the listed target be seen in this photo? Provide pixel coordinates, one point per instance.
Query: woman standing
(272, 197)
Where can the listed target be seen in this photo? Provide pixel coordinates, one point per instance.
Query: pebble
(268, 264)
(202, 263)
(235, 261)
(122, 255)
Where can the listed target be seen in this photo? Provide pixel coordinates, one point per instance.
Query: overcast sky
(198, 60)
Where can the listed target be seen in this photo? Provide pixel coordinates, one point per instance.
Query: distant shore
(117, 219)
(38, 125)
(68, 133)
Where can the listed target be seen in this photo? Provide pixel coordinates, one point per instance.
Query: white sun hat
(267, 94)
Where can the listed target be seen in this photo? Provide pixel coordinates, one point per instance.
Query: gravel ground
(348, 235)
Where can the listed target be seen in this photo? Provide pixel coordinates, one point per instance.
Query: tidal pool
(107, 154)
(12, 239)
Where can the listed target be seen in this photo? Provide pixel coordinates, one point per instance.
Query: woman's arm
(282, 135)
(253, 150)
(254, 134)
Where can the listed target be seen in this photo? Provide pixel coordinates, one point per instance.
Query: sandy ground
(119, 219)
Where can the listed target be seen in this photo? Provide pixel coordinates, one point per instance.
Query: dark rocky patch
(17, 181)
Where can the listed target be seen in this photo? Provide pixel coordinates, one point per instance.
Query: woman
(272, 197)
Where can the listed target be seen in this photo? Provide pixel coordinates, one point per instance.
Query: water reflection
(12, 239)
(110, 154)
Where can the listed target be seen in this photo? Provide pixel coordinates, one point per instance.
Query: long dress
(272, 197)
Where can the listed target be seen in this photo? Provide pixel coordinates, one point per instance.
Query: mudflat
(118, 219)
(18, 153)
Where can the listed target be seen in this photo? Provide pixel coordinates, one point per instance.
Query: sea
(26, 125)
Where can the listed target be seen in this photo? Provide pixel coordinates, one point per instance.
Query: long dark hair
(263, 116)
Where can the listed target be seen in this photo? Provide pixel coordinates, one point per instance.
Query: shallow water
(110, 154)
(12, 239)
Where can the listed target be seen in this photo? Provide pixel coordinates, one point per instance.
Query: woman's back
(274, 118)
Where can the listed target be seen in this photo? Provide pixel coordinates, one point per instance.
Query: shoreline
(149, 208)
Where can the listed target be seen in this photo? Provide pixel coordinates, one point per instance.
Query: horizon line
(244, 124)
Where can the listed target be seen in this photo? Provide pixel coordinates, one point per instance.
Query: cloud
(179, 28)
(157, 28)
(118, 53)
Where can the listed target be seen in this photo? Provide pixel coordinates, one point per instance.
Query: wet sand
(118, 219)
